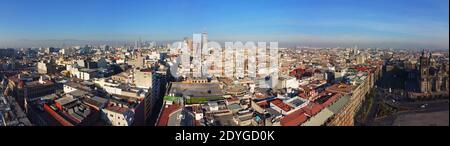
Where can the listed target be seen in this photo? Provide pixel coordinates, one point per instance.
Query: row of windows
(112, 116)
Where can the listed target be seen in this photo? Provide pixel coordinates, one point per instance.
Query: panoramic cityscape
(211, 63)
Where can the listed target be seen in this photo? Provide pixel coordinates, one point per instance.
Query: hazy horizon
(318, 23)
(73, 42)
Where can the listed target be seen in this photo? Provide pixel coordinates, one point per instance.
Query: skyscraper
(204, 41)
(205, 52)
(200, 44)
(153, 100)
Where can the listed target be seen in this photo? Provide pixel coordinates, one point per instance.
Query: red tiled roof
(312, 109)
(263, 104)
(164, 117)
(362, 68)
(340, 88)
(303, 95)
(232, 99)
(260, 95)
(281, 104)
(331, 100)
(300, 116)
(294, 119)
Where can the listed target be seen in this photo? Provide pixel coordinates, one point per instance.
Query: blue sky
(396, 23)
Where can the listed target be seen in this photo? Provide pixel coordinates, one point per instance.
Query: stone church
(433, 76)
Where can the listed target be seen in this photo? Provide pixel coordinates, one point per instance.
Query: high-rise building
(204, 42)
(189, 45)
(200, 46)
(153, 100)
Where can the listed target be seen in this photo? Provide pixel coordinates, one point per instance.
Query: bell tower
(424, 72)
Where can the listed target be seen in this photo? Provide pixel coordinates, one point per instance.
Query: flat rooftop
(65, 100)
(343, 88)
(118, 109)
(196, 89)
(280, 104)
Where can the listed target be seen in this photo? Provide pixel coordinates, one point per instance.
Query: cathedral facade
(433, 76)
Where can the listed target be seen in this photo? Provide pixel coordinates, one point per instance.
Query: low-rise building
(143, 78)
(118, 116)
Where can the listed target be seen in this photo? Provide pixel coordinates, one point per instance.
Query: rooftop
(196, 89)
(294, 119)
(181, 117)
(96, 101)
(77, 86)
(300, 116)
(37, 83)
(117, 109)
(234, 106)
(65, 100)
(78, 93)
(343, 88)
(280, 104)
(88, 70)
(295, 102)
(166, 111)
